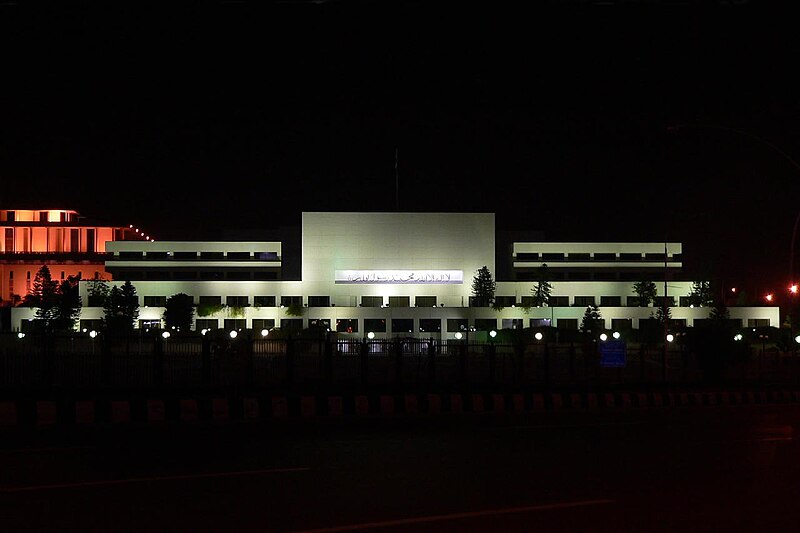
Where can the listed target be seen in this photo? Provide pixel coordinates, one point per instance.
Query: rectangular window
(527, 301)
(42, 216)
(758, 322)
(605, 256)
(513, 323)
(319, 323)
(184, 275)
(655, 257)
(263, 323)
(430, 325)
(457, 324)
(659, 301)
(630, 256)
(371, 301)
(376, 325)
(238, 256)
(155, 301)
(485, 324)
(211, 276)
(210, 300)
(610, 301)
(185, 256)
(151, 255)
(319, 301)
(569, 324)
(9, 245)
(621, 324)
(402, 325)
(11, 216)
(685, 301)
(237, 301)
(633, 301)
(74, 240)
(91, 244)
(584, 301)
(604, 276)
(130, 255)
(266, 256)
(558, 301)
(577, 257)
(205, 323)
(425, 301)
(288, 301)
(219, 256)
(528, 256)
(264, 301)
(552, 257)
(347, 325)
(505, 301)
(292, 324)
(540, 322)
(399, 301)
(235, 324)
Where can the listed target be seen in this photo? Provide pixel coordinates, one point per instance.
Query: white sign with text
(430, 277)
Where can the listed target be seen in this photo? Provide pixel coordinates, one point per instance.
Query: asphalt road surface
(699, 469)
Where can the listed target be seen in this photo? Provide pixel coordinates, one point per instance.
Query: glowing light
(20, 335)
(797, 339)
(670, 337)
(203, 331)
(538, 336)
(793, 288)
(738, 337)
(733, 289)
(603, 337)
(458, 335)
(93, 334)
(166, 335)
(370, 335)
(616, 335)
(264, 332)
(769, 297)
(233, 334)
(493, 334)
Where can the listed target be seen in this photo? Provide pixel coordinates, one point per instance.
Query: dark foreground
(696, 469)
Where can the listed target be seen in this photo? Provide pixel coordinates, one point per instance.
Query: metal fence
(144, 362)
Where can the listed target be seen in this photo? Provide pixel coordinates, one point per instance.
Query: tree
(483, 287)
(97, 290)
(700, 295)
(646, 291)
(591, 319)
(661, 316)
(179, 312)
(541, 291)
(68, 305)
(720, 312)
(44, 297)
(130, 305)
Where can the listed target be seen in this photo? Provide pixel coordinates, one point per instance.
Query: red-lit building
(69, 244)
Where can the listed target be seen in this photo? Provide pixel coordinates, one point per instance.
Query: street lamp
(458, 335)
(603, 337)
(264, 332)
(616, 335)
(370, 335)
(538, 336)
(166, 335)
(233, 334)
(20, 335)
(493, 334)
(670, 337)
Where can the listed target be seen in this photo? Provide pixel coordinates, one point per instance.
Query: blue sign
(613, 354)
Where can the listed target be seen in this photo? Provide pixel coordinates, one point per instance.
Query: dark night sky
(217, 116)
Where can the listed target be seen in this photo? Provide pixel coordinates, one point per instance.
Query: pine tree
(591, 319)
(720, 312)
(44, 297)
(541, 291)
(68, 306)
(483, 287)
(646, 291)
(660, 316)
(130, 305)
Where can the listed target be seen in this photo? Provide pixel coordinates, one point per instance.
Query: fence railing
(145, 362)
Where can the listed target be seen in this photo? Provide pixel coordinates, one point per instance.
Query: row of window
(240, 274)
(597, 256)
(203, 256)
(406, 325)
(419, 301)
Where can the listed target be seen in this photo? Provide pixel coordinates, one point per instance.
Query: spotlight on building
(458, 335)
(670, 337)
(234, 334)
(264, 332)
(603, 337)
(93, 334)
(166, 335)
(616, 335)
(370, 335)
(538, 336)
(493, 334)
(20, 335)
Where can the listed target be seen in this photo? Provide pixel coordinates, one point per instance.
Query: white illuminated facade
(400, 274)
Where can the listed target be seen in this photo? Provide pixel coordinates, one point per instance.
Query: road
(698, 469)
